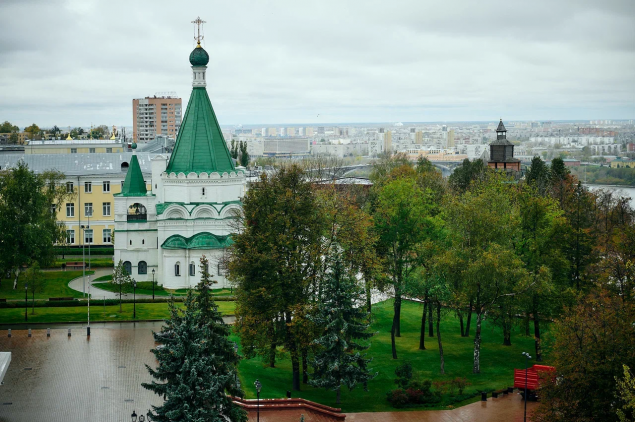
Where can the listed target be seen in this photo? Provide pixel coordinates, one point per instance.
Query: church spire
(200, 146)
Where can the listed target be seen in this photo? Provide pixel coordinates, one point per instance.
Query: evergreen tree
(538, 175)
(244, 155)
(196, 364)
(339, 362)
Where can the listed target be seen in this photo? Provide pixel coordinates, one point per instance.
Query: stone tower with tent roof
(193, 199)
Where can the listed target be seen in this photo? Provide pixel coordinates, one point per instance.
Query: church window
(142, 267)
(177, 269)
(127, 267)
(203, 191)
(130, 242)
(192, 268)
(143, 241)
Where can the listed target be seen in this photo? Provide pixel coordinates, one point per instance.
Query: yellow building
(622, 163)
(93, 179)
(86, 146)
(21, 137)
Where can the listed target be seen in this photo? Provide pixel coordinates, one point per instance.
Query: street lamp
(83, 228)
(134, 299)
(527, 357)
(153, 284)
(258, 388)
(26, 298)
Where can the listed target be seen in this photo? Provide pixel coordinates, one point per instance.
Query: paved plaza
(74, 378)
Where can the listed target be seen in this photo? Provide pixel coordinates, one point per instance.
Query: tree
(55, 131)
(593, 340)
(32, 130)
(275, 263)
(339, 361)
(244, 155)
(538, 175)
(7, 127)
(28, 223)
(193, 374)
(234, 150)
(403, 221)
(35, 278)
(468, 172)
(121, 278)
(626, 393)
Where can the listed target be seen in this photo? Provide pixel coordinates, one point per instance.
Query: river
(622, 190)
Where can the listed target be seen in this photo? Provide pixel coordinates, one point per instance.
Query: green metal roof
(199, 57)
(202, 240)
(200, 146)
(134, 185)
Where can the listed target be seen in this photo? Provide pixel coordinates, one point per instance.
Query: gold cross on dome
(198, 37)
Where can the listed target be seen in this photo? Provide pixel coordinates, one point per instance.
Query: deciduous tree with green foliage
(122, 279)
(35, 279)
(346, 332)
(28, 221)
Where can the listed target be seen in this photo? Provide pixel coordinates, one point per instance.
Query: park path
(77, 284)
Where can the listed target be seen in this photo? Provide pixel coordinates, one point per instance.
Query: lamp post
(26, 298)
(527, 357)
(83, 229)
(153, 284)
(134, 416)
(134, 299)
(258, 388)
(88, 326)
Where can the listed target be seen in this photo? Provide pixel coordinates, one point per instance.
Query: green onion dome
(199, 56)
(134, 145)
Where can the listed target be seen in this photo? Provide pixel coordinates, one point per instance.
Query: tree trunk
(527, 323)
(293, 349)
(273, 346)
(338, 394)
(15, 280)
(537, 337)
(430, 321)
(397, 314)
(305, 371)
(469, 319)
(33, 301)
(422, 341)
(369, 303)
(460, 315)
(439, 337)
(392, 336)
(507, 337)
(477, 345)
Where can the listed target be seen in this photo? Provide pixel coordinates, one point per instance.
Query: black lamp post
(134, 299)
(26, 298)
(153, 284)
(258, 388)
(527, 357)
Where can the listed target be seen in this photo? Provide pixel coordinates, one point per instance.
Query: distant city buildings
(157, 115)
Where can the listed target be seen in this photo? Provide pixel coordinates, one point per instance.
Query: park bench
(74, 265)
(495, 394)
(57, 299)
(3, 300)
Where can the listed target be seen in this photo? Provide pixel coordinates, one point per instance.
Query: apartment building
(86, 146)
(157, 115)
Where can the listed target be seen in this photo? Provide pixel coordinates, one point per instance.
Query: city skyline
(82, 61)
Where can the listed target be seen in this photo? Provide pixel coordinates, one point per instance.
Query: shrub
(460, 383)
(398, 398)
(404, 374)
(441, 386)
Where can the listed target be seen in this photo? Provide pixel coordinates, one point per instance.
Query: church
(161, 234)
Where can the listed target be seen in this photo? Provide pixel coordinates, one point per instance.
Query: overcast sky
(78, 62)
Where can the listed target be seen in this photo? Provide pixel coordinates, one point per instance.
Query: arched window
(177, 269)
(143, 241)
(203, 191)
(142, 267)
(130, 242)
(192, 268)
(124, 166)
(127, 267)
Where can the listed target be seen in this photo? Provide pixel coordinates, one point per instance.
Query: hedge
(97, 302)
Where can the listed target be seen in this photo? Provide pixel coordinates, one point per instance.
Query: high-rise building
(290, 131)
(308, 131)
(271, 131)
(388, 141)
(157, 115)
(419, 138)
(450, 138)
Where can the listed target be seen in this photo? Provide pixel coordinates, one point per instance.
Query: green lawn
(55, 285)
(145, 288)
(95, 262)
(497, 361)
(97, 313)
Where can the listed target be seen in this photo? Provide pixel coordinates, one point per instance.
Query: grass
(55, 284)
(97, 313)
(106, 277)
(145, 288)
(497, 361)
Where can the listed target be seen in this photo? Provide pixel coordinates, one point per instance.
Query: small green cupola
(199, 57)
(134, 185)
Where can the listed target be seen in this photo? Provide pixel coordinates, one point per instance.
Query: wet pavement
(77, 379)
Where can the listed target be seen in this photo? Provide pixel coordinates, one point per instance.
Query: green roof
(202, 240)
(134, 185)
(200, 146)
(199, 57)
